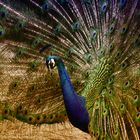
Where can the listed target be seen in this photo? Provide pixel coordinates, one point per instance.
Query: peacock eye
(93, 33)
(136, 99)
(3, 13)
(88, 2)
(44, 117)
(104, 7)
(45, 6)
(116, 133)
(111, 80)
(124, 65)
(124, 29)
(38, 118)
(105, 112)
(138, 115)
(57, 29)
(127, 84)
(110, 91)
(51, 63)
(122, 3)
(2, 31)
(20, 25)
(5, 111)
(111, 29)
(76, 26)
(63, 2)
(30, 119)
(25, 112)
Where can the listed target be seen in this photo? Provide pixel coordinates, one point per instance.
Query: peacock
(76, 60)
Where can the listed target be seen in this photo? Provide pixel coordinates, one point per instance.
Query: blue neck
(75, 105)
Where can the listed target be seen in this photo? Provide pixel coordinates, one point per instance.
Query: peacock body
(76, 59)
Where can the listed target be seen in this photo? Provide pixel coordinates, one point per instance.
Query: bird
(76, 60)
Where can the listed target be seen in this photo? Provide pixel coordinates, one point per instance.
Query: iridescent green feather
(99, 42)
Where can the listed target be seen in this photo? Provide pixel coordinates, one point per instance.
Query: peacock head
(52, 61)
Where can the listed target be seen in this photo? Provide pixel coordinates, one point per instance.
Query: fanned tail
(99, 42)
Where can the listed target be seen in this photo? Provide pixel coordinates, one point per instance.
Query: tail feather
(99, 42)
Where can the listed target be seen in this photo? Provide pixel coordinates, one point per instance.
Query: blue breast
(75, 105)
